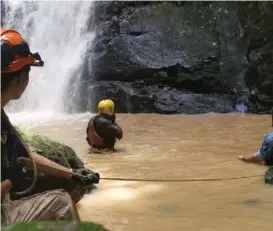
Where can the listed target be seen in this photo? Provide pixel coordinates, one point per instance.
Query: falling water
(58, 30)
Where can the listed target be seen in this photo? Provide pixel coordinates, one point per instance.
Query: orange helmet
(15, 52)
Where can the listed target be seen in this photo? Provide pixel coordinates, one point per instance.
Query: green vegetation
(55, 226)
(55, 151)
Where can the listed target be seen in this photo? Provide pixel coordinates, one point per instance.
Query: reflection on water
(176, 147)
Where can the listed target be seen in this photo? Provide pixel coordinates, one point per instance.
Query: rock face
(58, 153)
(174, 57)
(141, 97)
(256, 19)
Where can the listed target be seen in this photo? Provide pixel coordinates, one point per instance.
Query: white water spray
(58, 30)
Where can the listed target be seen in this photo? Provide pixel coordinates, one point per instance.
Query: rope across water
(179, 180)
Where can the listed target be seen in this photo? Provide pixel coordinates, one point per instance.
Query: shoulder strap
(15, 132)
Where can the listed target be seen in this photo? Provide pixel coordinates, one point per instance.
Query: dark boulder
(195, 51)
(141, 96)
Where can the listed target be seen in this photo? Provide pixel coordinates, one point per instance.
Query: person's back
(102, 130)
(267, 149)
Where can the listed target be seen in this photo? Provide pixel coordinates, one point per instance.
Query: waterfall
(58, 30)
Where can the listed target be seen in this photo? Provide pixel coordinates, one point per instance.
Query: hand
(113, 118)
(6, 186)
(121, 133)
(241, 158)
(90, 176)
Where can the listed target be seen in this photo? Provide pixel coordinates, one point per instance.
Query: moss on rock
(55, 151)
(59, 153)
(60, 226)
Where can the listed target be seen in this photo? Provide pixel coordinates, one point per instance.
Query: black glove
(18, 177)
(113, 119)
(89, 177)
(10, 174)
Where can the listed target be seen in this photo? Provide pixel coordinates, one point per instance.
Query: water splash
(58, 30)
(30, 120)
(241, 108)
(241, 93)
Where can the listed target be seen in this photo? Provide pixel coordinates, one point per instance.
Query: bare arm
(6, 186)
(251, 159)
(56, 170)
(260, 157)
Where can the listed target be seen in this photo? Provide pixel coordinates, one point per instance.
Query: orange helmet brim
(20, 52)
(20, 62)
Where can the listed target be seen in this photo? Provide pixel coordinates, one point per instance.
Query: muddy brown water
(176, 147)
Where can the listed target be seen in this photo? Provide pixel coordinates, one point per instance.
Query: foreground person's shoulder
(269, 137)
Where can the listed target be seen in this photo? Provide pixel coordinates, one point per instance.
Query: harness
(92, 136)
(12, 147)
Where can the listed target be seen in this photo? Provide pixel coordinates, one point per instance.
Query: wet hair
(6, 78)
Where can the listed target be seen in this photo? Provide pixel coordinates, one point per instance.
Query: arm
(260, 156)
(113, 130)
(6, 186)
(56, 170)
(51, 168)
(120, 134)
(251, 159)
(22, 151)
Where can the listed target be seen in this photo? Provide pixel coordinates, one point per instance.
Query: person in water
(102, 130)
(265, 153)
(16, 62)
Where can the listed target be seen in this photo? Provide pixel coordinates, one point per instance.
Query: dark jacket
(104, 127)
(11, 148)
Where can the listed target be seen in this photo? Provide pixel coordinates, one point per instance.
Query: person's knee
(63, 205)
(61, 197)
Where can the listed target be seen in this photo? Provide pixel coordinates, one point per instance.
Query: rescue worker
(265, 153)
(102, 130)
(16, 62)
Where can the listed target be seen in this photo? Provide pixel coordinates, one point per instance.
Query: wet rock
(256, 19)
(149, 38)
(147, 97)
(192, 49)
(59, 153)
(55, 151)
(269, 176)
(214, 48)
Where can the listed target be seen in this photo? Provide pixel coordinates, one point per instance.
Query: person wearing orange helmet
(16, 63)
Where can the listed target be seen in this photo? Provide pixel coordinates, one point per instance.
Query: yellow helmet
(107, 107)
